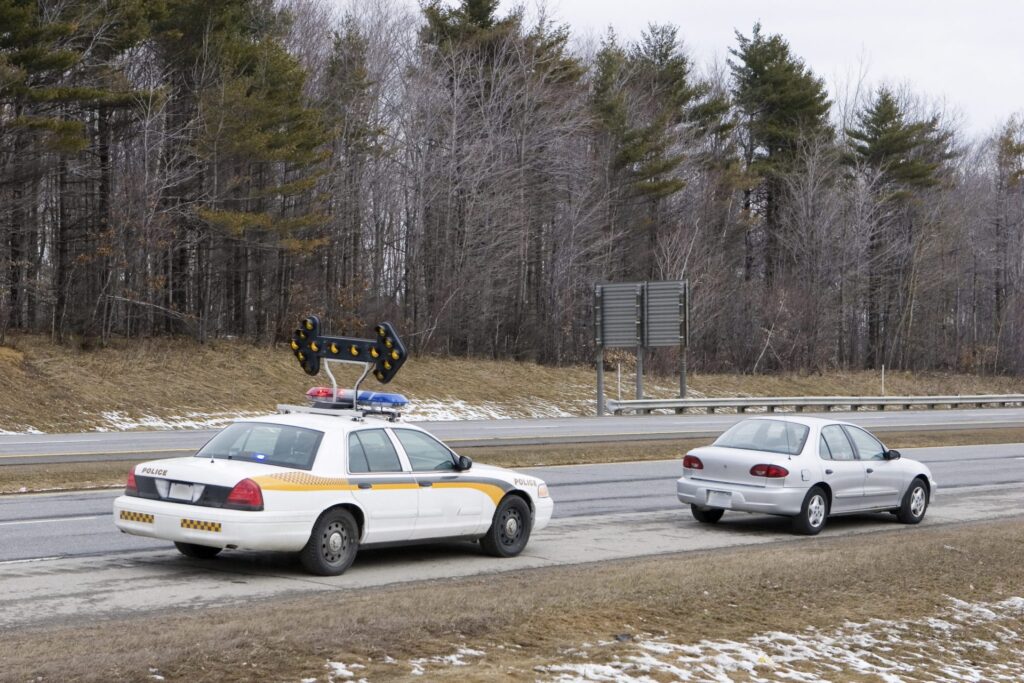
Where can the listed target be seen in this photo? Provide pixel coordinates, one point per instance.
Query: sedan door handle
(449, 477)
(870, 470)
(364, 485)
(828, 471)
(426, 483)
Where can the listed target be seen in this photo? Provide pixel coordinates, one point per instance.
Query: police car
(328, 479)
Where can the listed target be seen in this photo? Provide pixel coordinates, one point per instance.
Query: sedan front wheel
(915, 503)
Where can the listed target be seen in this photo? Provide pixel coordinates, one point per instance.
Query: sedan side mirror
(892, 455)
(463, 463)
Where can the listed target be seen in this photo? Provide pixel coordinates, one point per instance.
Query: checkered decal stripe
(200, 525)
(136, 517)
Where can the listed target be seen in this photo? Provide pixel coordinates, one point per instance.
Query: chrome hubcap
(334, 542)
(511, 526)
(917, 501)
(816, 511)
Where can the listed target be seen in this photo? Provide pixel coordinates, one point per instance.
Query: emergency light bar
(328, 397)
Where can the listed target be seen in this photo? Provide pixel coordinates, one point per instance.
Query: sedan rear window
(271, 444)
(772, 436)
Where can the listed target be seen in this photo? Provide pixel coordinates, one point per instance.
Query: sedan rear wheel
(706, 515)
(813, 513)
(332, 546)
(915, 503)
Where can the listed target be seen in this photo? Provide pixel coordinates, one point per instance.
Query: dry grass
(14, 478)
(64, 389)
(528, 618)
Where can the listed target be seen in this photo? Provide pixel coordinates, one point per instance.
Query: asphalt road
(18, 449)
(80, 524)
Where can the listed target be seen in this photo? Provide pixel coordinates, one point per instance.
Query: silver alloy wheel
(816, 511)
(334, 543)
(918, 500)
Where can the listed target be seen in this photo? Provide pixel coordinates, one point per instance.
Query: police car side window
(376, 452)
(356, 455)
(425, 454)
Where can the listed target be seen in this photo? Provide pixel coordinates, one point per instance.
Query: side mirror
(892, 455)
(463, 463)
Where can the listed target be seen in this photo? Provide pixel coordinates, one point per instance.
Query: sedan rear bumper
(215, 527)
(769, 499)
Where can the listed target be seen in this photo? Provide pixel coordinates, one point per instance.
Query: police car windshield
(772, 436)
(270, 444)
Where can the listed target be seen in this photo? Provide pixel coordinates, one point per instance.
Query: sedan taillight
(770, 471)
(692, 462)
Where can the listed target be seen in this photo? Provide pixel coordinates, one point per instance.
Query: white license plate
(180, 492)
(720, 499)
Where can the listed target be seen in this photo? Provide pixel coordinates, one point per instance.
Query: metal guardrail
(817, 403)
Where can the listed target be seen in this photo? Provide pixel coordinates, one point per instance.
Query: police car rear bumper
(216, 527)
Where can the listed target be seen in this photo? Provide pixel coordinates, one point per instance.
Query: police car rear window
(271, 444)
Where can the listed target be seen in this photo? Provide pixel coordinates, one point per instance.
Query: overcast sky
(970, 54)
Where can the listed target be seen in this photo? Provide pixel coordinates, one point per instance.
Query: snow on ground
(114, 421)
(434, 410)
(967, 642)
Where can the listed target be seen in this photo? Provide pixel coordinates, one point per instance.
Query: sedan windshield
(270, 444)
(773, 436)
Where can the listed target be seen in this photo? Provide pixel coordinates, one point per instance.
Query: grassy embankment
(64, 389)
(508, 625)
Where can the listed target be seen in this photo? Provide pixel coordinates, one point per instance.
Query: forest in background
(221, 168)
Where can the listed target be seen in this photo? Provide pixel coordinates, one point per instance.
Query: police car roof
(342, 422)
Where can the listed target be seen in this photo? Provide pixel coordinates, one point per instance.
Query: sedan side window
(868, 447)
(370, 450)
(823, 452)
(837, 443)
(425, 453)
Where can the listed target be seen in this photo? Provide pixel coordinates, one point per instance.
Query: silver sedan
(805, 468)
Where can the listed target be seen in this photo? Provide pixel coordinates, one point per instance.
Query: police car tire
(332, 545)
(199, 552)
(498, 541)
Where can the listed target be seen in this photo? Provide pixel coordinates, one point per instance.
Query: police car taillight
(130, 487)
(246, 495)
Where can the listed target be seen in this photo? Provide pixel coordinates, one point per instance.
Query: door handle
(364, 485)
(449, 477)
(426, 483)
(870, 470)
(828, 471)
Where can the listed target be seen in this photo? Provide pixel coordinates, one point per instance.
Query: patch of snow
(29, 429)
(455, 409)
(887, 650)
(115, 421)
(338, 669)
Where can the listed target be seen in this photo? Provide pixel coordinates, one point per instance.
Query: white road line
(79, 518)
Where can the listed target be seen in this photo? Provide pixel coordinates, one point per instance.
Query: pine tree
(908, 156)
(782, 102)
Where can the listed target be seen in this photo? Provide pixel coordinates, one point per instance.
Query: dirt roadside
(503, 626)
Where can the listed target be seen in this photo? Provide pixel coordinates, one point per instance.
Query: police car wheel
(199, 552)
(510, 528)
(332, 546)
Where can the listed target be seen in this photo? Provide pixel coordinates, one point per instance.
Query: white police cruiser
(326, 480)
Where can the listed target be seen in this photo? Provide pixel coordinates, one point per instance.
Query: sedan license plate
(180, 492)
(720, 499)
